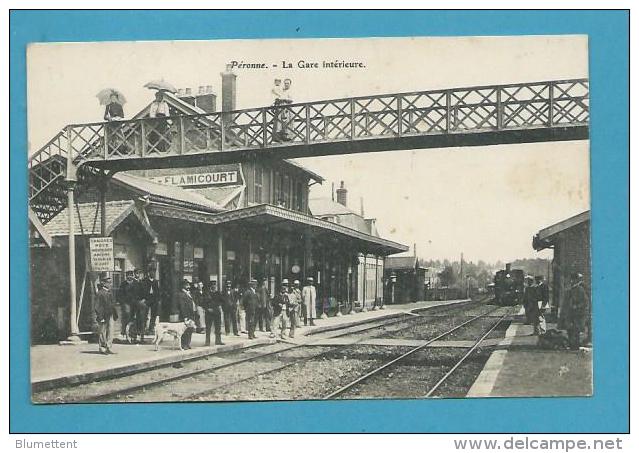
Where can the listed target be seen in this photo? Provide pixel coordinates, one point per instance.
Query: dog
(175, 329)
(131, 332)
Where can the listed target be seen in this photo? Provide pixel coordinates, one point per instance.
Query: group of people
(159, 138)
(246, 311)
(211, 308)
(139, 300)
(574, 312)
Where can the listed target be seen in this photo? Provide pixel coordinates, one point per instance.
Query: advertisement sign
(101, 250)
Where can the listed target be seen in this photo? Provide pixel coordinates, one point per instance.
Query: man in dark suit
(126, 297)
(230, 309)
(250, 303)
(141, 308)
(187, 312)
(105, 314)
(576, 309)
(150, 293)
(212, 302)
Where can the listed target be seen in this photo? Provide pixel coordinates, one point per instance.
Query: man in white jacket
(309, 297)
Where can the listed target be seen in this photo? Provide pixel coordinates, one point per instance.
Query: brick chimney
(341, 194)
(228, 89)
(186, 95)
(204, 99)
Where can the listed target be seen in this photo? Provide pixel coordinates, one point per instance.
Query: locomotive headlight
(507, 275)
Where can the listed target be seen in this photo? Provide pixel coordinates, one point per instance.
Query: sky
(485, 202)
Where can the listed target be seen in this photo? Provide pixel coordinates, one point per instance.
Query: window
(258, 178)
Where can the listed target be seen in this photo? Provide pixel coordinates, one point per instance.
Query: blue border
(607, 411)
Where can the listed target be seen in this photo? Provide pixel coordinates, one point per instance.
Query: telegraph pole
(461, 271)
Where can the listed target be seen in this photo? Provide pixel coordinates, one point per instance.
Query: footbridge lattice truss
(484, 115)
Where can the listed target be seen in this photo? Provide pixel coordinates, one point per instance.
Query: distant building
(570, 241)
(431, 277)
(405, 279)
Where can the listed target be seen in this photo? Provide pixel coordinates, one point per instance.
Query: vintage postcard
(309, 219)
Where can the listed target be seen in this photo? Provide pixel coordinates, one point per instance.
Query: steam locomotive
(509, 286)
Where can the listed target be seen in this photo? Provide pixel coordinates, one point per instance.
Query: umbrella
(105, 96)
(160, 85)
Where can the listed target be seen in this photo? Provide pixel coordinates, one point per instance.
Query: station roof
(86, 219)
(544, 237)
(326, 206)
(402, 263)
(166, 193)
(265, 215)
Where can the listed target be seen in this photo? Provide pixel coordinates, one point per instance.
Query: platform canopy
(274, 217)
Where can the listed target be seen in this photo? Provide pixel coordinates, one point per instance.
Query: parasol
(160, 85)
(104, 96)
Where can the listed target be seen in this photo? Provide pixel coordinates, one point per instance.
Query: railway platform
(519, 367)
(54, 365)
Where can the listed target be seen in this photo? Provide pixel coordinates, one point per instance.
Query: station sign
(198, 179)
(101, 250)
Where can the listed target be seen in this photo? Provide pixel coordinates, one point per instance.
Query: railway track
(360, 380)
(267, 379)
(119, 389)
(203, 394)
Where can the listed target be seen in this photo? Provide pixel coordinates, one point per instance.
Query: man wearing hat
(280, 306)
(577, 310)
(295, 301)
(309, 299)
(126, 297)
(150, 293)
(212, 302)
(105, 314)
(230, 310)
(186, 306)
(141, 308)
(250, 302)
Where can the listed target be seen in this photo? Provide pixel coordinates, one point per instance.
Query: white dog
(175, 329)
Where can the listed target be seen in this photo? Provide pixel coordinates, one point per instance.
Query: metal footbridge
(555, 110)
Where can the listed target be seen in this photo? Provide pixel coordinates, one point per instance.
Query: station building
(229, 222)
(570, 242)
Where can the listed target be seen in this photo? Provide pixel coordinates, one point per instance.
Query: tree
(447, 277)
